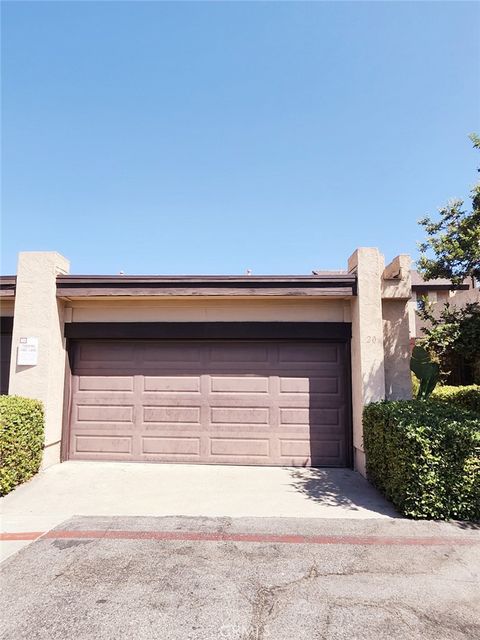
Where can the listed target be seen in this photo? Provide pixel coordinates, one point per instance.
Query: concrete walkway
(129, 489)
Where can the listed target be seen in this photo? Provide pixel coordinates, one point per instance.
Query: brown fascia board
(438, 284)
(7, 286)
(331, 285)
(425, 288)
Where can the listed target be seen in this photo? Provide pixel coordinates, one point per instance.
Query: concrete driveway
(244, 579)
(129, 489)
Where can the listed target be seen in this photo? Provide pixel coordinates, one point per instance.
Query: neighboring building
(438, 292)
(260, 370)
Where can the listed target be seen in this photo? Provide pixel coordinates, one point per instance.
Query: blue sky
(215, 137)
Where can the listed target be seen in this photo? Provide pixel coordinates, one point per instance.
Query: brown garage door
(5, 354)
(262, 403)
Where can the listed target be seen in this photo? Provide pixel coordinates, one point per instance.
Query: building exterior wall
(438, 299)
(39, 314)
(205, 310)
(396, 346)
(462, 298)
(379, 314)
(368, 374)
(396, 301)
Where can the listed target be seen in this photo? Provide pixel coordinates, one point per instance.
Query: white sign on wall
(27, 351)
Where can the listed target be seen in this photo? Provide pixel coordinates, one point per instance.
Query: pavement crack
(265, 600)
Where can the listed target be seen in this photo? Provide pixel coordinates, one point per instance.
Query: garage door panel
(105, 383)
(171, 446)
(238, 401)
(312, 417)
(226, 354)
(103, 354)
(240, 447)
(306, 402)
(169, 415)
(219, 402)
(308, 353)
(317, 451)
(171, 384)
(239, 415)
(313, 385)
(170, 353)
(239, 384)
(104, 397)
(170, 399)
(103, 413)
(103, 445)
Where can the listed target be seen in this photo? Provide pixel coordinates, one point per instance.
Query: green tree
(453, 239)
(452, 336)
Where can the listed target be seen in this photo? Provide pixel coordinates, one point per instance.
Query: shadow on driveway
(340, 488)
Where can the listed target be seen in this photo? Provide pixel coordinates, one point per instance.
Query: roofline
(334, 277)
(339, 285)
(424, 288)
(7, 286)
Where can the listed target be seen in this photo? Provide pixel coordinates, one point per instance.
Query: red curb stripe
(185, 536)
(24, 535)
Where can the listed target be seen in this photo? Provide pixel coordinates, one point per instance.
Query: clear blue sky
(214, 137)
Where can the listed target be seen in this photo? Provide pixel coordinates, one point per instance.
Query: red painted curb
(23, 535)
(199, 536)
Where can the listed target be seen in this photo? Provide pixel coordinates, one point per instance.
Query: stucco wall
(438, 299)
(39, 314)
(396, 344)
(368, 375)
(461, 298)
(205, 310)
(379, 347)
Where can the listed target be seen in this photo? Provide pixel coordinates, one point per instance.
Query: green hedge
(21, 440)
(464, 397)
(424, 456)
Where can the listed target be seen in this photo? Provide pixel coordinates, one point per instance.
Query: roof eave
(226, 286)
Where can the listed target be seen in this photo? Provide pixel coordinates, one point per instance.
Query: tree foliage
(453, 239)
(452, 334)
(427, 372)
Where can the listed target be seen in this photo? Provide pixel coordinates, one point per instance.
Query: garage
(253, 402)
(6, 326)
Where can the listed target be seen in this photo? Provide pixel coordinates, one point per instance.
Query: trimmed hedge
(21, 440)
(424, 456)
(465, 397)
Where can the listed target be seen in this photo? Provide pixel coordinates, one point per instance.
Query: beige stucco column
(368, 375)
(396, 295)
(38, 314)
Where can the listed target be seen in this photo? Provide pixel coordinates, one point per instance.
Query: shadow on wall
(340, 488)
(396, 345)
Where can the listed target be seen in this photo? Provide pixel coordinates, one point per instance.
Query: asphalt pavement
(244, 579)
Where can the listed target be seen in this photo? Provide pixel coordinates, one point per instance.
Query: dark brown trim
(6, 330)
(333, 285)
(425, 288)
(99, 280)
(67, 401)
(335, 331)
(349, 409)
(7, 286)
(337, 292)
(6, 324)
